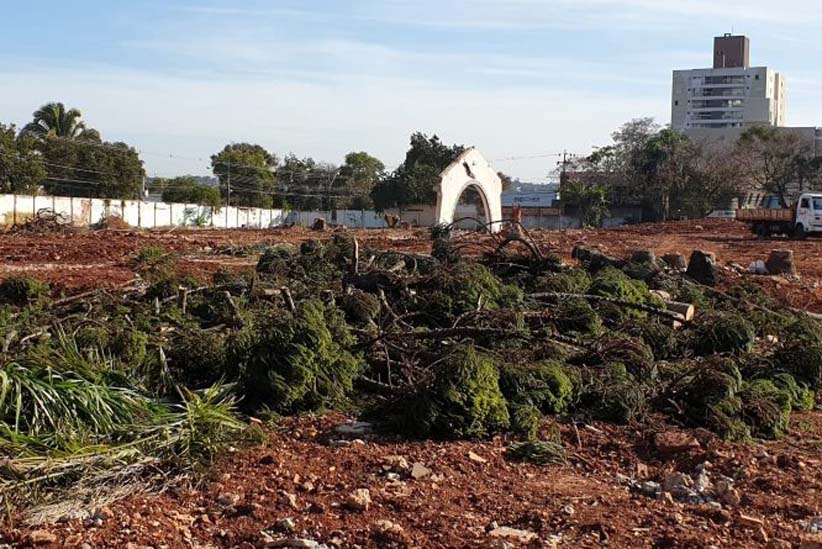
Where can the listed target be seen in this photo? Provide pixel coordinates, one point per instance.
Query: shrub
(722, 332)
(766, 408)
(577, 316)
(275, 260)
(572, 281)
(197, 359)
(23, 290)
(360, 307)
(546, 385)
(800, 354)
(710, 397)
(463, 401)
(525, 419)
(456, 289)
(660, 337)
(802, 398)
(300, 362)
(615, 395)
(614, 284)
(631, 352)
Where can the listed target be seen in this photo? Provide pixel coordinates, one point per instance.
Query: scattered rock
(355, 428)
(675, 481)
(702, 267)
(397, 464)
(781, 262)
(649, 488)
(810, 541)
(522, 536)
(42, 537)
(103, 513)
(777, 543)
(227, 499)
(674, 442)
(419, 471)
(476, 458)
(595, 259)
(359, 500)
(294, 543)
(286, 525)
(675, 261)
(761, 535)
(749, 521)
(814, 525)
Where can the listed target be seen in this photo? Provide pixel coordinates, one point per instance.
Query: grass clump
(539, 452)
(462, 401)
(22, 291)
(722, 332)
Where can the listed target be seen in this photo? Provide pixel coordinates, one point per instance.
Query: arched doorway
(471, 206)
(470, 171)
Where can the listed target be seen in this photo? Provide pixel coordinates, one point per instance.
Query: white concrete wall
(147, 215)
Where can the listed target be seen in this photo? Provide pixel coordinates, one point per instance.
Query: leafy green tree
(247, 173)
(22, 169)
(310, 185)
(415, 180)
(361, 172)
(665, 164)
(187, 190)
(774, 160)
(589, 198)
(55, 120)
(96, 170)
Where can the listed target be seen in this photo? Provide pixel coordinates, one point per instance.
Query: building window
(676, 103)
(757, 77)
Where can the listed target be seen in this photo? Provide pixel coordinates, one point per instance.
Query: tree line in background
(58, 154)
(658, 169)
(671, 176)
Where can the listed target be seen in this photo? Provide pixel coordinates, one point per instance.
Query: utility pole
(228, 191)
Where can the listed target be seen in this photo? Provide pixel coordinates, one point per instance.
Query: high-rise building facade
(732, 94)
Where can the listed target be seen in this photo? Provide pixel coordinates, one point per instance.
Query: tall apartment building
(732, 94)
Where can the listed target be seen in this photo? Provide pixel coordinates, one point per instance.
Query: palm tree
(53, 119)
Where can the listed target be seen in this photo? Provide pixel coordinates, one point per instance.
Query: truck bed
(763, 214)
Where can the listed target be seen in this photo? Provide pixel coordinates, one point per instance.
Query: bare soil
(300, 474)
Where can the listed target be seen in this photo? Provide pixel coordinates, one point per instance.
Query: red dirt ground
(581, 504)
(76, 261)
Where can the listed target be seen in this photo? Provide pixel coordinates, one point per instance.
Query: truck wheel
(799, 232)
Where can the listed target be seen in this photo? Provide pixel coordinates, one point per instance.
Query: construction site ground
(296, 487)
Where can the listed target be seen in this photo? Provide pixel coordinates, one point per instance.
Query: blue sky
(179, 79)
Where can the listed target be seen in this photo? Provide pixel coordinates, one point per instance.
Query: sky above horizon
(178, 79)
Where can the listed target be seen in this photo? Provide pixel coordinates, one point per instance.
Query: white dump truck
(802, 220)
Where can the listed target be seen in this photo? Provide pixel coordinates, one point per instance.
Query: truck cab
(808, 214)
